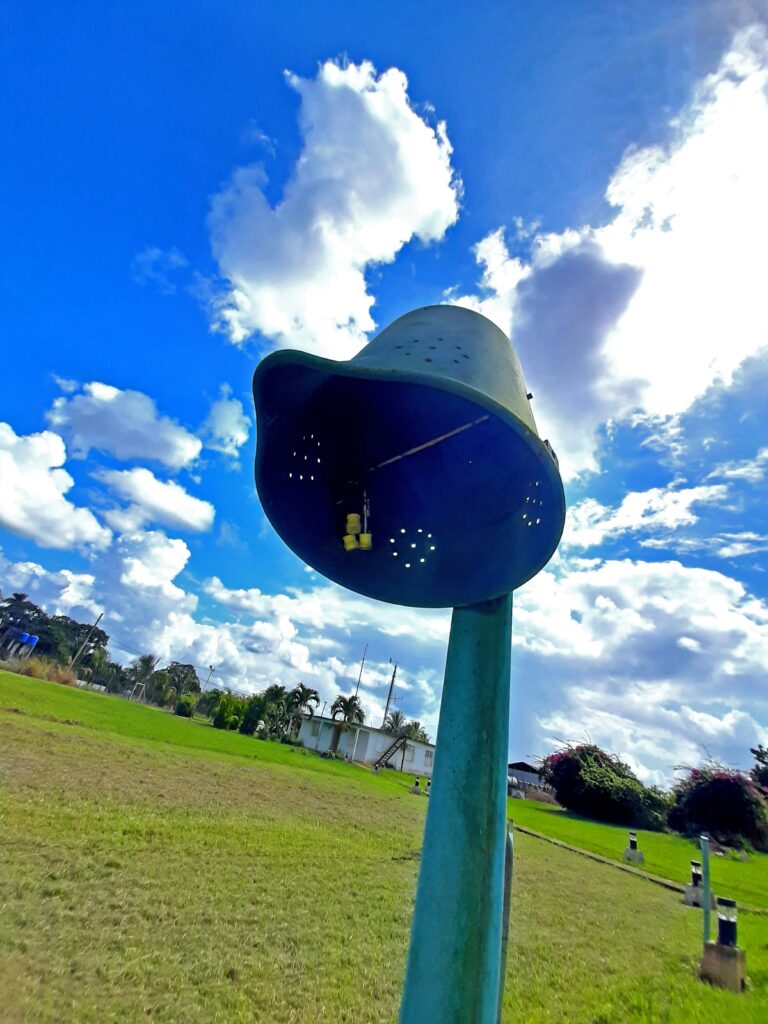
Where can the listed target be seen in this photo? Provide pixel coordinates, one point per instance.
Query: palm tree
(99, 660)
(142, 668)
(395, 724)
(414, 730)
(276, 709)
(299, 702)
(159, 689)
(351, 711)
(208, 702)
(140, 671)
(275, 694)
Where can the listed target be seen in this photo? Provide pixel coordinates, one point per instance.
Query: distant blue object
(432, 421)
(33, 640)
(24, 638)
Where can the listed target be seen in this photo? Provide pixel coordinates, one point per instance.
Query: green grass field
(666, 855)
(156, 869)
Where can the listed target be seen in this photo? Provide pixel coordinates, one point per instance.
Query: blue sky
(186, 188)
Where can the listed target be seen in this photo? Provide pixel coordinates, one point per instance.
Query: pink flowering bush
(598, 785)
(729, 805)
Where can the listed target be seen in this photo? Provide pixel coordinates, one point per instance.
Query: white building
(365, 745)
(524, 772)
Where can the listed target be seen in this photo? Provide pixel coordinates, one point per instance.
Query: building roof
(522, 766)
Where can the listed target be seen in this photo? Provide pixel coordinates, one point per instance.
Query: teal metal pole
(509, 862)
(453, 974)
(704, 843)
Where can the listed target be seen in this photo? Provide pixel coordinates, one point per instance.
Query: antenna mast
(389, 695)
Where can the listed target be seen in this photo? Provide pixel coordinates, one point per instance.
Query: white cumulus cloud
(752, 471)
(226, 428)
(60, 592)
(153, 500)
(655, 660)
(372, 175)
(590, 523)
(667, 299)
(125, 424)
(330, 607)
(32, 497)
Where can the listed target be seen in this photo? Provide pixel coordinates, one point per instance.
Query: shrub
(229, 713)
(726, 803)
(41, 668)
(253, 716)
(292, 741)
(37, 668)
(62, 675)
(186, 704)
(599, 785)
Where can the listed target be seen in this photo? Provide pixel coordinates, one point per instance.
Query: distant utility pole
(360, 676)
(211, 670)
(73, 662)
(389, 695)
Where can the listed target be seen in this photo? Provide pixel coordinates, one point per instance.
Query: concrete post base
(694, 897)
(635, 856)
(723, 966)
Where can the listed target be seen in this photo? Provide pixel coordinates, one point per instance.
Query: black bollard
(696, 876)
(726, 922)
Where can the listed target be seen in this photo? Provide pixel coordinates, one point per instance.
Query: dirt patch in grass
(35, 759)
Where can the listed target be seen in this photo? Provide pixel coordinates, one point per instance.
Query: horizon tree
(299, 702)
(140, 669)
(208, 702)
(159, 690)
(759, 771)
(18, 610)
(254, 713)
(276, 716)
(230, 712)
(351, 711)
(395, 723)
(414, 730)
(183, 678)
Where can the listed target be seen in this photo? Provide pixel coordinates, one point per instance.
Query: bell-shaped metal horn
(412, 473)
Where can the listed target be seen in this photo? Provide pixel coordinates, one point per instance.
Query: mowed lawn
(156, 869)
(666, 855)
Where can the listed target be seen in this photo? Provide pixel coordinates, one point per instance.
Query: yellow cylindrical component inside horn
(353, 523)
(366, 541)
(350, 542)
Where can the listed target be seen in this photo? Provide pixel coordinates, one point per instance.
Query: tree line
(274, 713)
(277, 713)
(61, 637)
